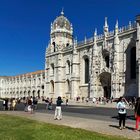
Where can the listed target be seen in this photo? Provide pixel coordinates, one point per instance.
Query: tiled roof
(25, 74)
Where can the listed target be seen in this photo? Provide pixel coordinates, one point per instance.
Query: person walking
(30, 106)
(58, 111)
(50, 104)
(67, 102)
(122, 112)
(137, 113)
(4, 104)
(14, 104)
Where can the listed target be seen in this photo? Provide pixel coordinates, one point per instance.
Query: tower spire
(95, 36)
(62, 12)
(106, 25)
(116, 27)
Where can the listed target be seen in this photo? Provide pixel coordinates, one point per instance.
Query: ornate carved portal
(105, 79)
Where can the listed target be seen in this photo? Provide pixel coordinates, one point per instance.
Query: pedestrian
(94, 100)
(9, 104)
(4, 104)
(30, 107)
(58, 111)
(50, 104)
(47, 102)
(137, 113)
(67, 102)
(35, 101)
(82, 99)
(13, 104)
(87, 99)
(121, 112)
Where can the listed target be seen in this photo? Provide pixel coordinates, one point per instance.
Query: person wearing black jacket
(137, 112)
(58, 111)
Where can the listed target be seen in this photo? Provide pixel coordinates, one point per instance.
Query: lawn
(18, 128)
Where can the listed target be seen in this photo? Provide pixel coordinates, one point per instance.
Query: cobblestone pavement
(105, 127)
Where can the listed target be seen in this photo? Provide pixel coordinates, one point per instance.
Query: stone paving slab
(104, 127)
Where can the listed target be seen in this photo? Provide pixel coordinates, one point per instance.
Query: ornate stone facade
(29, 84)
(105, 65)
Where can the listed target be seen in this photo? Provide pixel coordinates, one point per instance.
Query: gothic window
(53, 46)
(107, 61)
(86, 70)
(67, 44)
(133, 63)
(68, 67)
(52, 69)
(52, 86)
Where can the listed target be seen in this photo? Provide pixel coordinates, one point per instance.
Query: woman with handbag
(121, 112)
(137, 113)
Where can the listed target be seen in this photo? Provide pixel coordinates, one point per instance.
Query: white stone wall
(20, 86)
(116, 45)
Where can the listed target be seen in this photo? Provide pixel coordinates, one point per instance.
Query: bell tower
(61, 34)
(61, 39)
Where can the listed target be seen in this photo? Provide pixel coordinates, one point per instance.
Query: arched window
(52, 69)
(53, 46)
(67, 44)
(86, 70)
(133, 63)
(107, 61)
(52, 86)
(68, 67)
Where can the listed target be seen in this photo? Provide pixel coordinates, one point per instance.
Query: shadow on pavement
(127, 127)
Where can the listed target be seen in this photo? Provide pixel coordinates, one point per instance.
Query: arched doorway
(105, 79)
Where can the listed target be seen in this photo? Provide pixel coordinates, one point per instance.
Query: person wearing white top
(122, 112)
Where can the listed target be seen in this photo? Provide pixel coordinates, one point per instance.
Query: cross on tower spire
(62, 12)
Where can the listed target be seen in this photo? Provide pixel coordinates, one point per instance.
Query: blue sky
(25, 27)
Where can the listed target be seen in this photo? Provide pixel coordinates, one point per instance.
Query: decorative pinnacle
(95, 36)
(106, 25)
(95, 32)
(116, 26)
(62, 12)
